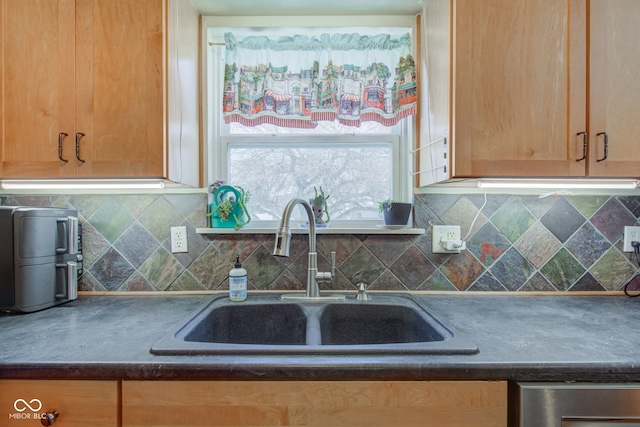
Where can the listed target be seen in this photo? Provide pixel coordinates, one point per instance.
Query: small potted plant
(319, 207)
(395, 213)
(229, 207)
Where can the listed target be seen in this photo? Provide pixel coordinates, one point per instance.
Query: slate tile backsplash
(518, 243)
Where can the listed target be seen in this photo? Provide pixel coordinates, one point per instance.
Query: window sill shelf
(328, 230)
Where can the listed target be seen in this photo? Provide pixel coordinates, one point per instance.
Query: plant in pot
(229, 207)
(395, 213)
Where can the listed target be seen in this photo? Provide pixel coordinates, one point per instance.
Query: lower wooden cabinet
(314, 403)
(78, 403)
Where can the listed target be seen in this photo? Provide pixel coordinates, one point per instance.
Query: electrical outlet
(631, 234)
(444, 233)
(179, 239)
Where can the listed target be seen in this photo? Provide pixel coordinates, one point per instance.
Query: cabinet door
(79, 403)
(518, 87)
(37, 56)
(314, 403)
(615, 87)
(119, 88)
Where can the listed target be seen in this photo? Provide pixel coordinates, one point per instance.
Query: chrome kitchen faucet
(283, 241)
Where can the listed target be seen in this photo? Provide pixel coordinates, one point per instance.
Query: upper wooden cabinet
(521, 97)
(85, 74)
(614, 90)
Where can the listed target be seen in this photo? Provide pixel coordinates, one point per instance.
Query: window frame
(217, 139)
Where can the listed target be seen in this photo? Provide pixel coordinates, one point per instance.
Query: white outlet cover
(442, 233)
(179, 239)
(631, 234)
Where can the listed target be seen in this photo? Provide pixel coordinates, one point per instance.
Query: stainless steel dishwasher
(539, 404)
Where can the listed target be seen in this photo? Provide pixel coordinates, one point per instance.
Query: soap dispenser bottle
(238, 282)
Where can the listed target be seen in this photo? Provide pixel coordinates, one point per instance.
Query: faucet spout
(283, 243)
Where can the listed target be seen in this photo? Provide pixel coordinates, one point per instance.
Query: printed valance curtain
(297, 81)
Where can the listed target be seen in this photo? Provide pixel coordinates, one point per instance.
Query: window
(356, 166)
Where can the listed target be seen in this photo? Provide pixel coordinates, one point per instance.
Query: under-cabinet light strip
(558, 184)
(80, 184)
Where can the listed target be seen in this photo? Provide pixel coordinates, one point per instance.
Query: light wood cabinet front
(314, 403)
(615, 88)
(79, 403)
(516, 80)
(86, 70)
(535, 88)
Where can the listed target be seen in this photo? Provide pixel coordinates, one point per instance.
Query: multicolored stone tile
(632, 203)
(488, 244)
(125, 238)
(538, 245)
(262, 268)
(513, 219)
(136, 244)
(438, 282)
(612, 270)
(587, 283)
(462, 270)
(161, 269)
(563, 270)
(463, 213)
(112, 270)
(111, 220)
(562, 220)
(587, 205)
(588, 245)
(537, 283)
(159, 217)
(611, 219)
(512, 270)
(412, 268)
(362, 266)
(487, 283)
(388, 248)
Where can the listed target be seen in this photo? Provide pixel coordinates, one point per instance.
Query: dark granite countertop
(520, 337)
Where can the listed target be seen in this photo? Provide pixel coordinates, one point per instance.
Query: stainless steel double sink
(263, 324)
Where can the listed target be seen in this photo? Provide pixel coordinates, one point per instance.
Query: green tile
(111, 220)
(159, 217)
(161, 269)
(86, 205)
(513, 220)
(612, 270)
(563, 270)
(135, 204)
(587, 205)
(186, 282)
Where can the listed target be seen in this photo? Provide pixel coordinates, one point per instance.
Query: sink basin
(263, 324)
(273, 324)
(366, 324)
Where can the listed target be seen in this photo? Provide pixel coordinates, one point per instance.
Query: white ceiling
(306, 7)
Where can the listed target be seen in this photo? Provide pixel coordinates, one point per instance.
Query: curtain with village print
(297, 81)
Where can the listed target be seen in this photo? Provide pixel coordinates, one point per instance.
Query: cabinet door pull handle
(49, 418)
(61, 136)
(78, 136)
(606, 146)
(585, 142)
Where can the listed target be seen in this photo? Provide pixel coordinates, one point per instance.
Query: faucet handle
(326, 277)
(333, 265)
